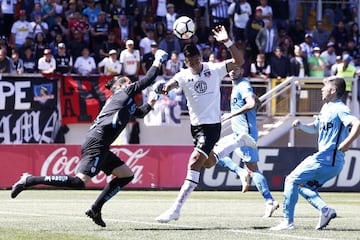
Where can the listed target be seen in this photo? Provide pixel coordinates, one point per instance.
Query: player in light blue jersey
(243, 121)
(337, 129)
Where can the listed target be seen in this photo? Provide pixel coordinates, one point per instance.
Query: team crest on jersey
(200, 87)
(207, 73)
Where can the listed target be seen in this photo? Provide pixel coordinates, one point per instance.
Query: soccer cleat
(168, 216)
(325, 217)
(245, 180)
(161, 56)
(248, 140)
(284, 225)
(96, 217)
(270, 208)
(20, 185)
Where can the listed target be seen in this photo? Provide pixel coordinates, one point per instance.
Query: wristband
(228, 43)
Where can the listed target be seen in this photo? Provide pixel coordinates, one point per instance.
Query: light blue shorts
(313, 174)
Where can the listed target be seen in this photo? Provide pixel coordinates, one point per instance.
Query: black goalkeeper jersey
(118, 109)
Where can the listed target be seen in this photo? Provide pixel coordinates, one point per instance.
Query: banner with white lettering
(28, 109)
(82, 97)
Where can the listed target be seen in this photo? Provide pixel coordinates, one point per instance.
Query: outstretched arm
(222, 36)
(160, 57)
(308, 128)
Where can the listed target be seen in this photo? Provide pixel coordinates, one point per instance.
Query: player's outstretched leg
(20, 185)
(96, 217)
(110, 190)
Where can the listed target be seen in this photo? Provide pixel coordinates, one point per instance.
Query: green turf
(220, 215)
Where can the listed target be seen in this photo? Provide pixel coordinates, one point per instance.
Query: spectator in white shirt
(110, 65)
(20, 29)
(85, 64)
(47, 63)
(130, 61)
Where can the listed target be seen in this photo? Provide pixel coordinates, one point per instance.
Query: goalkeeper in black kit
(95, 152)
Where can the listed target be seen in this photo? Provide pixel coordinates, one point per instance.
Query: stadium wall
(164, 167)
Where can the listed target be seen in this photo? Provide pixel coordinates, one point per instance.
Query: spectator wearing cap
(239, 12)
(317, 64)
(16, 63)
(299, 66)
(85, 64)
(64, 61)
(335, 66)
(30, 63)
(99, 34)
(145, 42)
(130, 61)
(170, 43)
(148, 58)
(4, 62)
(253, 26)
(7, 10)
(39, 26)
(47, 63)
(110, 65)
(330, 57)
(20, 29)
(91, 11)
(320, 34)
(267, 11)
(308, 45)
(346, 70)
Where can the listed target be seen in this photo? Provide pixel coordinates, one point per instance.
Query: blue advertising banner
(276, 164)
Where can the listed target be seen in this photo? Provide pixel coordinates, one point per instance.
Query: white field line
(272, 234)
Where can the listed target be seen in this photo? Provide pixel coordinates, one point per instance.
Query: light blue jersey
(243, 122)
(333, 125)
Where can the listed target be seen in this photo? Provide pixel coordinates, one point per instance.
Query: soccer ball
(184, 27)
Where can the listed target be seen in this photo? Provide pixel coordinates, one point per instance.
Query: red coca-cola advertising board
(164, 167)
(153, 166)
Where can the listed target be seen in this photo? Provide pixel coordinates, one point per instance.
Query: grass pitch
(59, 215)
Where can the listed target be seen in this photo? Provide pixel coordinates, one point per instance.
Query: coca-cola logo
(58, 163)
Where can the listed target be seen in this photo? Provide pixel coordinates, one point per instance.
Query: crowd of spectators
(120, 36)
